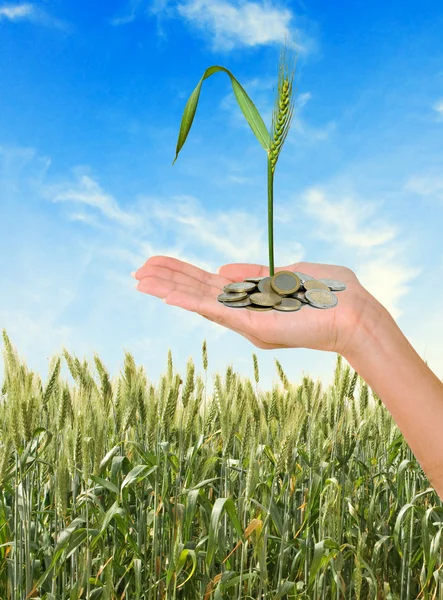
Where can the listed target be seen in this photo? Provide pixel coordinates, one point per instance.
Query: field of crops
(125, 488)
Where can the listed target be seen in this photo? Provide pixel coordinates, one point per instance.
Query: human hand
(181, 284)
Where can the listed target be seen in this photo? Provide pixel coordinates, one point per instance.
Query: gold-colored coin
(285, 282)
(263, 299)
(259, 308)
(242, 286)
(264, 285)
(288, 305)
(232, 297)
(313, 284)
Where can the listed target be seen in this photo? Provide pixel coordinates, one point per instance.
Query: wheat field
(120, 487)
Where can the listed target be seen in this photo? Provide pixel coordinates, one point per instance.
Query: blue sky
(91, 99)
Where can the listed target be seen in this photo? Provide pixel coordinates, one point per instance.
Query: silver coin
(238, 303)
(334, 285)
(254, 279)
(321, 298)
(232, 297)
(259, 308)
(302, 276)
(241, 286)
(265, 286)
(288, 305)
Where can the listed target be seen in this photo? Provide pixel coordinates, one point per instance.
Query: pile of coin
(285, 291)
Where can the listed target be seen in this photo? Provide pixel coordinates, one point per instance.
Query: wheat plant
(271, 141)
(122, 487)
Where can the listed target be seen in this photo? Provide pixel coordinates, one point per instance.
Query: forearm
(412, 393)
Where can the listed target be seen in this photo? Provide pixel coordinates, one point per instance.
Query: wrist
(364, 326)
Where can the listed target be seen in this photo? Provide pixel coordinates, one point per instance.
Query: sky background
(91, 98)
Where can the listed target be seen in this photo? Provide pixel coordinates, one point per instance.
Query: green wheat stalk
(272, 141)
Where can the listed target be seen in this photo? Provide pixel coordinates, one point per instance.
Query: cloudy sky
(91, 98)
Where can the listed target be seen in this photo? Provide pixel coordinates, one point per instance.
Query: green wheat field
(114, 488)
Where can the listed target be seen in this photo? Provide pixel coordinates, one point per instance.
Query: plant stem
(270, 217)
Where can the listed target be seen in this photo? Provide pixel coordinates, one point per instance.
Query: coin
(265, 285)
(285, 282)
(300, 296)
(321, 298)
(315, 285)
(302, 276)
(334, 285)
(238, 303)
(311, 293)
(288, 304)
(232, 297)
(243, 286)
(263, 299)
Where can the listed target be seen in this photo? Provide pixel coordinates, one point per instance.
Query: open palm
(185, 285)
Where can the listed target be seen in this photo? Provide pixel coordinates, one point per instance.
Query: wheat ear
(284, 105)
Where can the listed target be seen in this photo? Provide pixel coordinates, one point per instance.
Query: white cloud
(237, 24)
(387, 279)
(438, 107)
(367, 243)
(303, 130)
(87, 191)
(32, 13)
(221, 233)
(343, 219)
(429, 186)
(227, 24)
(16, 12)
(130, 14)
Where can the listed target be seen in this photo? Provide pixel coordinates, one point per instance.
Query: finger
(180, 266)
(189, 298)
(206, 305)
(178, 277)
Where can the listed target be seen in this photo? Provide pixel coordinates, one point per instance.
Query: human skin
(359, 328)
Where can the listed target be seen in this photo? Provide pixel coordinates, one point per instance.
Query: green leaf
(321, 557)
(70, 538)
(108, 457)
(220, 505)
(245, 103)
(287, 586)
(112, 513)
(137, 474)
(108, 485)
(191, 506)
(181, 563)
(64, 535)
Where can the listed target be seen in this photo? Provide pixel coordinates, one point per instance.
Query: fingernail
(218, 270)
(136, 286)
(133, 275)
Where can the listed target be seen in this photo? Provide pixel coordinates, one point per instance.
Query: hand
(182, 284)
